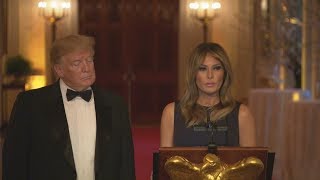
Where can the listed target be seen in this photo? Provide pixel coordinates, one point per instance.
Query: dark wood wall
(136, 51)
(3, 52)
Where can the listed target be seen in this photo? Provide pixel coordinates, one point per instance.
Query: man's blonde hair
(70, 44)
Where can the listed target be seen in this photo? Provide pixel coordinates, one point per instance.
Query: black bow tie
(85, 95)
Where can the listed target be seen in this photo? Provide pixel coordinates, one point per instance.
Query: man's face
(76, 69)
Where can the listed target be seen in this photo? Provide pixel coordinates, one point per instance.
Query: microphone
(212, 147)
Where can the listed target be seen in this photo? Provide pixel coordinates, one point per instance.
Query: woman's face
(209, 77)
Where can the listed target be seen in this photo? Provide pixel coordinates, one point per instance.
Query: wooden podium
(229, 155)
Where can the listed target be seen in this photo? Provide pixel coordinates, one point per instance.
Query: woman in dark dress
(207, 112)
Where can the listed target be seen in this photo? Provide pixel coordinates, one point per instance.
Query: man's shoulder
(39, 91)
(40, 94)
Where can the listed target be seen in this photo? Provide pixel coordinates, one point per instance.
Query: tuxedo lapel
(59, 125)
(103, 123)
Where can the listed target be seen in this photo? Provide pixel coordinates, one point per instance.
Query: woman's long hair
(191, 111)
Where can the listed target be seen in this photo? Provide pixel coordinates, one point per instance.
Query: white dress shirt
(81, 117)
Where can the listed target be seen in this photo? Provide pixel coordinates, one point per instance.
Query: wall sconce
(53, 11)
(204, 11)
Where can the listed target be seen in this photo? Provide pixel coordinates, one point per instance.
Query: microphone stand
(212, 146)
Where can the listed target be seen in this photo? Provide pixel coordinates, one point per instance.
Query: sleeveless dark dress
(225, 132)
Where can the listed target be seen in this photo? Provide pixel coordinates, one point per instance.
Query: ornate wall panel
(136, 51)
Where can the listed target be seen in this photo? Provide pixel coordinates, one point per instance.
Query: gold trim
(212, 168)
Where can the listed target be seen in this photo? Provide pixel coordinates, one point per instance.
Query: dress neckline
(218, 105)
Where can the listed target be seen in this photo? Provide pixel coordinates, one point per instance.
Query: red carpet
(146, 141)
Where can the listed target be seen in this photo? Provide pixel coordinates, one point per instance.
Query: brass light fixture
(53, 11)
(204, 11)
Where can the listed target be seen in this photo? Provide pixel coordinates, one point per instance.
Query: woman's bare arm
(247, 128)
(166, 128)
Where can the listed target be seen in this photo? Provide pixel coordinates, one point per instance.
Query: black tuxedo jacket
(38, 145)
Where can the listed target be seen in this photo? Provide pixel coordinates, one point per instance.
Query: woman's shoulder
(239, 110)
(168, 113)
(169, 108)
(244, 113)
(243, 108)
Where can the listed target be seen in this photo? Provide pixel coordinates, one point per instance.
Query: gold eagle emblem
(212, 168)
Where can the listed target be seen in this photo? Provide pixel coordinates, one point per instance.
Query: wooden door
(136, 51)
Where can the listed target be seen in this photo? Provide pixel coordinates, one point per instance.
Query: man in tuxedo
(70, 130)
